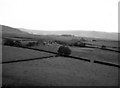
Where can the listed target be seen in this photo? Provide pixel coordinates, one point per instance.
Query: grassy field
(13, 53)
(106, 43)
(96, 54)
(27, 67)
(114, 45)
(59, 71)
(90, 53)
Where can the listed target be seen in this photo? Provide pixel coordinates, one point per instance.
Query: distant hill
(10, 30)
(6, 30)
(90, 34)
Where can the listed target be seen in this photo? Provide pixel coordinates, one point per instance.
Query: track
(80, 58)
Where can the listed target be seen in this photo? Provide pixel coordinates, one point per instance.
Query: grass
(109, 44)
(14, 53)
(59, 71)
(96, 54)
(90, 53)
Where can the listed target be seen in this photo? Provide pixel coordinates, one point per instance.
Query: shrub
(93, 40)
(80, 44)
(29, 44)
(9, 42)
(61, 42)
(17, 43)
(64, 51)
(103, 47)
(82, 40)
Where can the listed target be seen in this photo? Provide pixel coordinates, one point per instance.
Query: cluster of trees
(74, 42)
(64, 50)
(18, 43)
(68, 35)
(79, 44)
(61, 42)
(29, 44)
(12, 42)
(103, 47)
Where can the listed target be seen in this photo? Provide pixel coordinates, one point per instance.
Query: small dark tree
(93, 40)
(64, 51)
(103, 47)
(82, 40)
(9, 42)
(80, 44)
(37, 43)
(17, 43)
(29, 44)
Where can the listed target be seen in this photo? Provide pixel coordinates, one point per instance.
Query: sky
(50, 15)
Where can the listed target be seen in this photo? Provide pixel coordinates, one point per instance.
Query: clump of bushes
(31, 44)
(82, 40)
(103, 47)
(11, 42)
(64, 51)
(79, 44)
(93, 40)
(17, 43)
(61, 42)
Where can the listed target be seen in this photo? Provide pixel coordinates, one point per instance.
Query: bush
(29, 44)
(61, 42)
(64, 51)
(80, 44)
(103, 47)
(17, 43)
(9, 42)
(82, 40)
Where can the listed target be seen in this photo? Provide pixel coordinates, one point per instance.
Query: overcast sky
(95, 15)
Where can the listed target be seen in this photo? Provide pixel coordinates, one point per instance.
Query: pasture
(14, 53)
(29, 67)
(90, 53)
(54, 71)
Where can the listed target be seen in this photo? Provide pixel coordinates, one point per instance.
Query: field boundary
(26, 60)
(106, 63)
(103, 49)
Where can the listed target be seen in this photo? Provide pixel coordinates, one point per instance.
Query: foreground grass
(55, 71)
(59, 71)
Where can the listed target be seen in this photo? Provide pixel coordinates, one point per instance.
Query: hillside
(6, 29)
(26, 32)
(13, 32)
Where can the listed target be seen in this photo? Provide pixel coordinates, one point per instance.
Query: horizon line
(59, 30)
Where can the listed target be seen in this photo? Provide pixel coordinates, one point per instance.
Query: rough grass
(90, 53)
(96, 54)
(59, 71)
(106, 43)
(56, 71)
(13, 53)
